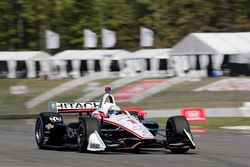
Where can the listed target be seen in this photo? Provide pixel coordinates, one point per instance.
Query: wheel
(86, 128)
(175, 134)
(81, 137)
(39, 132)
(176, 124)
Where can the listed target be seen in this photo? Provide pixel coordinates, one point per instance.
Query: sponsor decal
(67, 106)
(132, 121)
(49, 126)
(95, 146)
(72, 133)
(137, 129)
(55, 119)
(194, 114)
(46, 139)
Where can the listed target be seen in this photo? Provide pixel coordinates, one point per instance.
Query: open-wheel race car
(103, 126)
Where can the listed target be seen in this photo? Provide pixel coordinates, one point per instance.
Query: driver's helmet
(114, 110)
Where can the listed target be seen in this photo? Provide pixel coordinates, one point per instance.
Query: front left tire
(86, 128)
(39, 132)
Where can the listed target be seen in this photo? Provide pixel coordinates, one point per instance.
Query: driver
(114, 110)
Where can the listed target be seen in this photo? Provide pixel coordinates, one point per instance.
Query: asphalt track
(216, 149)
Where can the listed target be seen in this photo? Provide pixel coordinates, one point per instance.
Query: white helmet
(114, 110)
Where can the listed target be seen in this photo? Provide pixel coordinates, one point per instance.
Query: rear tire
(86, 128)
(174, 132)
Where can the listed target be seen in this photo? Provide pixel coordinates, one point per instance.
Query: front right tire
(175, 134)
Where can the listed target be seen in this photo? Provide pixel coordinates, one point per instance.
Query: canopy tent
(151, 53)
(215, 44)
(29, 57)
(86, 54)
(149, 59)
(23, 55)
(90, 56)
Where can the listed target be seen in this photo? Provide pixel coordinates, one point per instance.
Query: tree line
(23, 22)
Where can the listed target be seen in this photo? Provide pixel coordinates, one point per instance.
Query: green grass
(183, 96)
(178, 96)
(214, 122)
(68, 96)
(14, 104)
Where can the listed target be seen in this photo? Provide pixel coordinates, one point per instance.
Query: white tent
(153, 55)
(105, 56)
(215, 44)
(84, 54)
(211, 43)
(29, 57)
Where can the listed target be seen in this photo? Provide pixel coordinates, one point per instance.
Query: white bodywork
(130, 124)
(189, 137)
(125, 120)
(95, 142)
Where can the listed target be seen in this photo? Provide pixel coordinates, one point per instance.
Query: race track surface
(216, 149)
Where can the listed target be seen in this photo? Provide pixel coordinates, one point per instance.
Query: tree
(23, 22)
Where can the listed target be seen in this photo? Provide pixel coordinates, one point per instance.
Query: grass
(214, 122)
(178, 96)
(68, 96)
(183, 96)
(14, 104)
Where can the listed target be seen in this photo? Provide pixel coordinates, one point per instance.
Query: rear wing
(73, 107)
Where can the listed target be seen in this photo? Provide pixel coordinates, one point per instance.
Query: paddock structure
(23, 64)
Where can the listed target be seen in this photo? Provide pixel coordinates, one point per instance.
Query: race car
(104, 126)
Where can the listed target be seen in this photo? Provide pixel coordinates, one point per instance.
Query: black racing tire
(39, 132)
(176, 124)
(174, 129)
(86, 127)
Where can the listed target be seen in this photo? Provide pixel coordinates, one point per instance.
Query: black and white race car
(103, 126)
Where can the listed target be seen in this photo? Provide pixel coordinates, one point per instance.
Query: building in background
(24, 64)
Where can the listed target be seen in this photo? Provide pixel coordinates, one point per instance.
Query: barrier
(194, 114)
